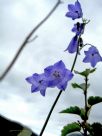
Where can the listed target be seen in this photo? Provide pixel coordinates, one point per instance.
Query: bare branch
(31, 40)
(26, 40)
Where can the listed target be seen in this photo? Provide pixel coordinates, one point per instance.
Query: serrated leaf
(96, 124)
(82, 114)
(70, 128)
(72, 110)
(94, 129)
(88, 110)
(89, 128)
(25, 132)
(92, 100)
(78, 111)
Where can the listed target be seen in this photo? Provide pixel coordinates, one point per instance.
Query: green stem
(59, 94)
(50, 113)
(76, 55)
(85, 94)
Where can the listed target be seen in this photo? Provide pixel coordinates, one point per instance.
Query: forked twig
(27, 40)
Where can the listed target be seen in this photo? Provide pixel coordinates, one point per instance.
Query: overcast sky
(17, 18)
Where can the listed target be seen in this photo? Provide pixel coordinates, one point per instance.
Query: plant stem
(59, 94)
(50, 113)
(76, 55)
(85, 94)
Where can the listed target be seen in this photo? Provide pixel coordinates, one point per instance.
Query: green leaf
(83, 86)
(89, 129)
(75, 85)
(86, 72)
(83, 73)
(80, 86)
(82, 114)
(72, 110)
(78, 111)
(70, 128)
(25, 132)
(96, 128)
(92, 70)
(92, 100)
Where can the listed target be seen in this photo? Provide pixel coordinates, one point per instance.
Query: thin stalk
(85, 94)
(59, 94)
(76, 55)
(27, 40)
(50, 113)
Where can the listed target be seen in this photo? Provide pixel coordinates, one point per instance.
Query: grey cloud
(53, 37)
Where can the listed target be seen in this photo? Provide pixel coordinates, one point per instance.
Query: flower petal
(48, 71)
(78, 6)
(95, 59)
(59, 65)
(93, 62)
(42, 91)
(30, 79)
(34, 88)
(72, 15)
(68, 76)
(92, 56)
(86, 59)
(72, 47)
(71, 7)
(36, 77)
(62, 86)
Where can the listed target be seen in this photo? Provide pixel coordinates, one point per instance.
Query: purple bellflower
(72, 47)
(58, 75)
(78, 28)
(38, 82)
(92, 56)
(75, 11)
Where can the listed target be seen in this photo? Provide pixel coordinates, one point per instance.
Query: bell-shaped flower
(75, 11)
(92, 56)
(38, 83)
(58, 75)
(78, 28)
(72, 47)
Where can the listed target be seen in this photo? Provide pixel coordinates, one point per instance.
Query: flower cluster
(92, 56)
(56, 75)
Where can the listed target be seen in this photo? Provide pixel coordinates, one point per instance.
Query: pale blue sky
(17, 18)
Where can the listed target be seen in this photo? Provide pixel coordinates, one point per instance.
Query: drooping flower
(38, 82)
(78, 28)
(72, 47)
(58, 75)
(75, 11)
(92, 56)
